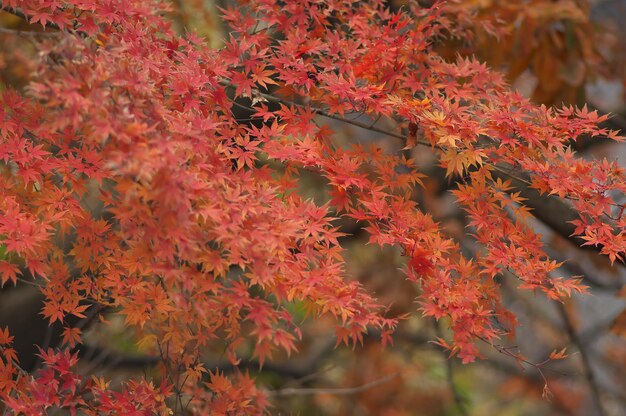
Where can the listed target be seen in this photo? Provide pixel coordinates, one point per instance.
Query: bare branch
(28, 33)
(584, 357)
(334, 391)
(456, 394)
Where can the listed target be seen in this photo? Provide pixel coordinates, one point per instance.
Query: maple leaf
(458, 162)
(71, 336)
(8, 271)
(218, 382)
(560, 355)
(419, 261)
(5, 338)
(208, 228)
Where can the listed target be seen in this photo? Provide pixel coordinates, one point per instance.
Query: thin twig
(584, 358)
(29, 33)
(456, 394)
(30, 283)
(15, 364)
(311, 376)
(334, 391)
(18, 12)
(326, 114)
(365, 126)
(20, 373)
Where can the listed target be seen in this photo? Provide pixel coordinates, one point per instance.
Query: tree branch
(456, 394)
(334, 391)
(28, 33)
(584, 357)
(550, 210)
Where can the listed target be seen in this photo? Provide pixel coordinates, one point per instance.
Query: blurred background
(554, 52)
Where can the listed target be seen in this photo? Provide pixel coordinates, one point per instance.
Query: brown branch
(326, 114)
(333, 391)
(294, 369)
(101, 357)
(614, 122)
(584, 357)
(15, 364)
(28, 33)
(20, 14)
(577, 267)
(456, 394)
(550, 210)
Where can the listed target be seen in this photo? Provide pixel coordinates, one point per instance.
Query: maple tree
(131, 188)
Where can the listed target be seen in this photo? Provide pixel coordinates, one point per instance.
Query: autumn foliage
(130, 187)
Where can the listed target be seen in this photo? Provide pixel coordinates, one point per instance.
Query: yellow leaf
(558, 355)
(458, 162)
(437, 117)
(146, 342)
(448, 140)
